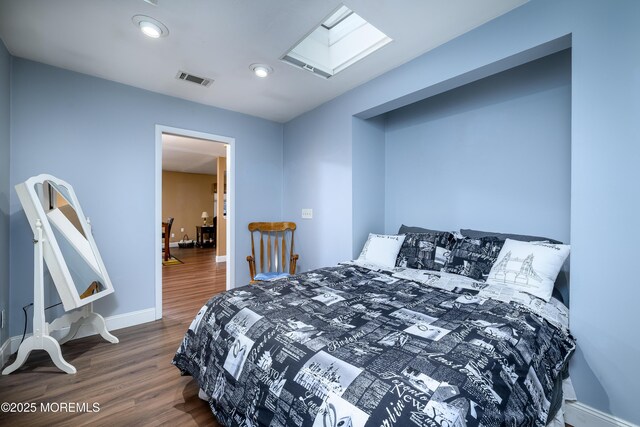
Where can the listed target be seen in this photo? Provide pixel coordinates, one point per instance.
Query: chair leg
(167, 252)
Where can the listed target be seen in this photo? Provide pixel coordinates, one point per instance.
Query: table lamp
(205, 215)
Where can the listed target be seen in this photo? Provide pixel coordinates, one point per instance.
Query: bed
(363, 345)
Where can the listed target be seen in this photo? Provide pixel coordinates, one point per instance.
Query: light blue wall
(491, 155)
(368, 179)
(5, 114)
(604, 173)
(100, 137)
(317, 175)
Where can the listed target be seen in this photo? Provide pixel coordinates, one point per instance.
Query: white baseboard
(580, 415)
(114, 323)
(222, 258)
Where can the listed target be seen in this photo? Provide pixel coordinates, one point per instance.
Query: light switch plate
(307, 213)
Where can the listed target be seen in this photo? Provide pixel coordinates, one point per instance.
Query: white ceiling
(219, 39)
(191, 155)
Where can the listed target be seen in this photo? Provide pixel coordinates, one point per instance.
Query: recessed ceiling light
(261, 70)
(150, 27)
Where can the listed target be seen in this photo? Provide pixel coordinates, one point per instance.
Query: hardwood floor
(133, 382)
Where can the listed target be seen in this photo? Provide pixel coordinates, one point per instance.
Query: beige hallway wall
(184, 197)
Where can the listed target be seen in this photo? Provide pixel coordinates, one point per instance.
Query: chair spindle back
(275, 235)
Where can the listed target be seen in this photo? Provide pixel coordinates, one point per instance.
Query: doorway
(226, 210)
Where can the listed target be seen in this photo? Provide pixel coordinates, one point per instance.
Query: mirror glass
(71, 238)
(59, 198)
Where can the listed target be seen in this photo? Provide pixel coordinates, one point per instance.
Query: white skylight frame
(340, 40)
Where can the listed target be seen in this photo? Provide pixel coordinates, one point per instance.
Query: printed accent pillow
(425, 251)
(381, 249)
(529, 267)
(473, 258)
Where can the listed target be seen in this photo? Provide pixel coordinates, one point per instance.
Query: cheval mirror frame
(62, 238)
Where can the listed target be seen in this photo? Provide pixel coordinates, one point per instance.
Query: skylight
(339, 41)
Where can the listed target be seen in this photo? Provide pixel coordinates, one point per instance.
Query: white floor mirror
(63, 240)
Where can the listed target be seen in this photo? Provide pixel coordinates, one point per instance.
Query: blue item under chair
(271, 275)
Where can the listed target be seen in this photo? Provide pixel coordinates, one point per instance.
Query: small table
(205, 236)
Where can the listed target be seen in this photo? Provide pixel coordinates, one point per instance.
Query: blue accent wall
(5, 188)
(491, 155)
(100, 137)
(317, 175)
(604, 205)
(368, 180)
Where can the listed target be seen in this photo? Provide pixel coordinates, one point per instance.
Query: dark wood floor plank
(133, 381)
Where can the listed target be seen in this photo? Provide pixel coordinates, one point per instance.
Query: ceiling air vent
(202, 81)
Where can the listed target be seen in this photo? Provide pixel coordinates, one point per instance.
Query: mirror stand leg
(23, 352)
(100, 326)
(75, 319)
(72, 319)
(73, 330)
(51, 346)
(46, 343)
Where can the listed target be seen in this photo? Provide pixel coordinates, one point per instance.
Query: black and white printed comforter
(348, 347)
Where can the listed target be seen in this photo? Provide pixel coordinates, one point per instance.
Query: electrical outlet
(182, 229)
(307, 213)
(173, 235)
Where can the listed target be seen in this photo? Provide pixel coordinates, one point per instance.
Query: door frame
(231, 199)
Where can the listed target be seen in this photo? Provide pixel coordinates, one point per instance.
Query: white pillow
(530, 267)
(381, 249)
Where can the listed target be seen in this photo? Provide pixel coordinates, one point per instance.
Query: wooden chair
(274, 269)
(166, 235)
